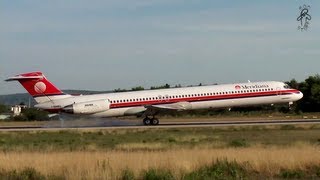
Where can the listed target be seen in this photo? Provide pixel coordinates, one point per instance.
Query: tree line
(310, 88)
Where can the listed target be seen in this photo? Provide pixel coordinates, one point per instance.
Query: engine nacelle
(89, 107)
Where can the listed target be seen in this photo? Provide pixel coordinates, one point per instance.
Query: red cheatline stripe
(201, 98)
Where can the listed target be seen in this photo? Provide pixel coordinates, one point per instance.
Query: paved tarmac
(122, 124)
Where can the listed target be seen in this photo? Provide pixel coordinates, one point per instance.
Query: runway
(180, 124)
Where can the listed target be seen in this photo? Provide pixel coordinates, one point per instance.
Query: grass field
(267, 162)
(257, 152)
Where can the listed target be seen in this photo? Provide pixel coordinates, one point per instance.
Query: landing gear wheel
(155, 121)
(147, 121)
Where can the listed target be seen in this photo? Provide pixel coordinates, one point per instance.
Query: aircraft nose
(299, 95)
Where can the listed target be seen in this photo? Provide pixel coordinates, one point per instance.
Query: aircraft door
(278, 90)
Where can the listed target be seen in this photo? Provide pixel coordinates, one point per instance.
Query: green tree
(4, 108)
(138, 88)
(315, 93)
(120, 90)
(293, 83)
(166, 86)
(311, 94)
(31, 114)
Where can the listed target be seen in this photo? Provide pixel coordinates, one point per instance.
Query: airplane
(151, 102)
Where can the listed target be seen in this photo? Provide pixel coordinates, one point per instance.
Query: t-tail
(39, 87)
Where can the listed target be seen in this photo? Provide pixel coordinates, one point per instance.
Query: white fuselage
(201, 97)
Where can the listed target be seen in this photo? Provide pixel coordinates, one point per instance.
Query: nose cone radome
(298, 95)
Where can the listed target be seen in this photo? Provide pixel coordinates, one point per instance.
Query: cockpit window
(286, 86)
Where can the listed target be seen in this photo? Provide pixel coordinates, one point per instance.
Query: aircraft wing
(174, 106)
(154, 109)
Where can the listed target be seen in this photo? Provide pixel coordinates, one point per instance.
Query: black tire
(155, 121)
(147, 121)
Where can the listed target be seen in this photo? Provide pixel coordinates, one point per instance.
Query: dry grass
(141, 146)
(109, 164)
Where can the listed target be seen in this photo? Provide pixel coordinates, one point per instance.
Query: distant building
(16, 110)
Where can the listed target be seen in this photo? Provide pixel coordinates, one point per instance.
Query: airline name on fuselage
(256, 86)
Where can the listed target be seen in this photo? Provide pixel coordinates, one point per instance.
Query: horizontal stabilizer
(17, 78)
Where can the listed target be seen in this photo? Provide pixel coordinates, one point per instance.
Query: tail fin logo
(40, 87)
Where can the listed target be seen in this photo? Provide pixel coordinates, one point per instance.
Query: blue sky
(108, 44)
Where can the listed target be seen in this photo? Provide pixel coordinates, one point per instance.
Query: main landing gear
(150, 121)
